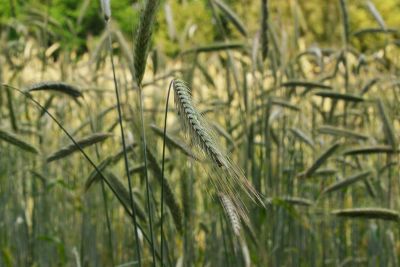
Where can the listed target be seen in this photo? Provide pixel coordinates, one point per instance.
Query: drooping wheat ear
(226, 176)
(18, 141)
(192, 122)
(71, 148)
(143, 38)
(105, 6)
(60, 87)
(231, 213)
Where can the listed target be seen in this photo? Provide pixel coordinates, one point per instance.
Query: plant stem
(162, 172)
(147, 175)
(124, 149)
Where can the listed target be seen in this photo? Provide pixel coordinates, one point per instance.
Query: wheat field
(199, 133)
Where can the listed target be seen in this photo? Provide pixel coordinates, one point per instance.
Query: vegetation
(281, 147)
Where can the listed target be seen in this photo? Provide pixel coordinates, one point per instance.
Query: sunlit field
(199, 133)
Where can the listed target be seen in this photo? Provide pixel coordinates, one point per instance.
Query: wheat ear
(227, 177)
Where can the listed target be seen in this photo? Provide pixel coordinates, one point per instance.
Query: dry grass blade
(321, 159)
(337, 131)
(85, 142)
(303, 137)
(60, 87)
(231, 16)
(365, 150)
(143, 38)
(368, 213)
(169, 195)
(387, 125)
(18, 141)
(346, 182)
(174, 142)
(338, 96)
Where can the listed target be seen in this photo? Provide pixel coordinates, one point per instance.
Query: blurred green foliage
(75, 20)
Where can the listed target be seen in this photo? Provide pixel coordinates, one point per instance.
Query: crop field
(199, 133)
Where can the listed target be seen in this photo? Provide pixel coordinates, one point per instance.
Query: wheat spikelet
(365, 150)
(302, 136)
(226, 176)
(85, 142)
(320, 160)
(369, 213)
(17, 141)
(60, 87)
(338, 96)
(337, 131)
(298, 201)
(231, 213)
(123, 195)
(143, 38)
(346, 182)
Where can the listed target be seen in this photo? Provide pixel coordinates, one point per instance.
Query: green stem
(147, 176)
(162, 172)
(124, 149)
